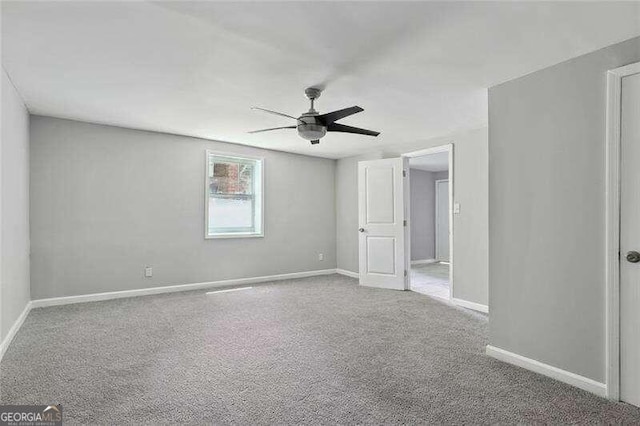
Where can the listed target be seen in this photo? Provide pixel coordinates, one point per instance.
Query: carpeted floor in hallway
(318, 350)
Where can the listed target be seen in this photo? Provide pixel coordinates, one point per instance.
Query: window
(233, 196)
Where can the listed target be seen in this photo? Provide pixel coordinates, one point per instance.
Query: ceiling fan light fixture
(311, 131)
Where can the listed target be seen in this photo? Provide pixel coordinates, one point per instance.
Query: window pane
(229, 214)
(246, 179)
(232, 178)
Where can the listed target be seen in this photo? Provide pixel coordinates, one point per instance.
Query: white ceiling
(438, 162)
(419, 69)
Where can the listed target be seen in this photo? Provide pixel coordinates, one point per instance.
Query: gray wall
(423, 213)
(471, 225)
(440, 175)
(14, 207)
(547, 206)
(108, 201)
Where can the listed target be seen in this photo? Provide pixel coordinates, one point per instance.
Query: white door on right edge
(630, 240)
(442, 220)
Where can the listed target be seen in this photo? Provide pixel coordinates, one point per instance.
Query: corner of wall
(15, 291)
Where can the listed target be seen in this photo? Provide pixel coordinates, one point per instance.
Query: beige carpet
(312, 351)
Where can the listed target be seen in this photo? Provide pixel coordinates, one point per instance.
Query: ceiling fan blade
(330, 117)
(274, 112)
(273, 128)
(335, 127)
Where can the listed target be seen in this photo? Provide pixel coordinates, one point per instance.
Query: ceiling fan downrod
(312, 93)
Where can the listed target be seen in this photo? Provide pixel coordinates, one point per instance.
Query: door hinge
(404, 173)
(404, 222)
(405, 272)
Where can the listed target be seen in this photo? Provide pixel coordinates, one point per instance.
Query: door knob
(361, 230)
(633, 257)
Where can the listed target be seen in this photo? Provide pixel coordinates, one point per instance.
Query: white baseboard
(55, 301)
(347, 273)
(471, 305)
(423, 261)
(14, 329)
(573, 379)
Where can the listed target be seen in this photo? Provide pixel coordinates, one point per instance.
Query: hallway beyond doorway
(431, 279)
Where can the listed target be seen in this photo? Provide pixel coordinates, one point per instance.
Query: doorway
(623, 234)
(429, 224)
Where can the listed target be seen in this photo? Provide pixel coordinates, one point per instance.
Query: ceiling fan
(312, 125)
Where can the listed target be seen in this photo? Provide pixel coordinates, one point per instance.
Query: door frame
(437, 218)
(612, 226)
(407, 205)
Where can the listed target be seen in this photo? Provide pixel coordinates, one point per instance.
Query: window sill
(234, 235)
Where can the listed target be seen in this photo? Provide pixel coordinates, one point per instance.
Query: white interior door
(442, 220)
(382, 239)
(630, 241)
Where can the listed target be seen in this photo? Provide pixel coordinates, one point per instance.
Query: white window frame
(259, 196)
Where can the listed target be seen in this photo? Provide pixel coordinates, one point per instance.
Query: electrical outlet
(456, 208)
(148, 272)
(320, 256)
